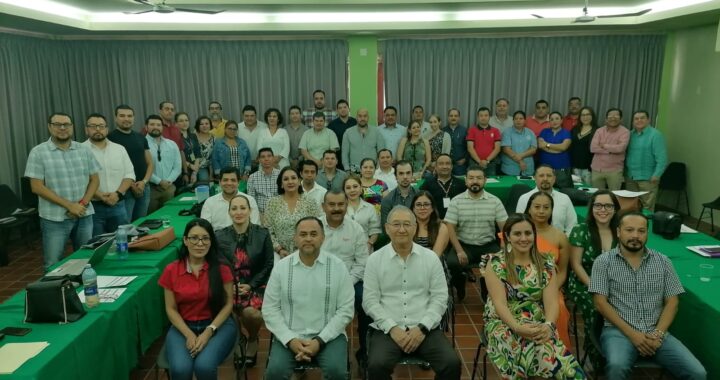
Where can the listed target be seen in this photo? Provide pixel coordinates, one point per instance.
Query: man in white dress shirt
(216, 208)
(406, 296)
(307, 306)
(563, 216)
(347, 240)
(308, 170)
(116, 176)
(385, 171)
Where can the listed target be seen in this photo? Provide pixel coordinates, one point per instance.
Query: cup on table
(706, 272)
(165, 220)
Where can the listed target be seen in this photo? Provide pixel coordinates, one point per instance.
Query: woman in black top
(582, 135)
(248, 248)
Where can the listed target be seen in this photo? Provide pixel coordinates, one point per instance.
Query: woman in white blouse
(275, 138)
(360, 211)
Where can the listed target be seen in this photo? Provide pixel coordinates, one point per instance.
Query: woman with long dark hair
(582, 135)
(588, 240)
(198, 302)
(521, 311)
(191, 151)
(415, 149)
(206, 141)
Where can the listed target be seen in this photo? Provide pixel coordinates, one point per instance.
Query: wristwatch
(547, 146)
(119, 194)
(213, 328)
(423, 329)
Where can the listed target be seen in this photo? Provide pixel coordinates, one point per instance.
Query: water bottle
(89, 279)
(202, 193)
(121, 243)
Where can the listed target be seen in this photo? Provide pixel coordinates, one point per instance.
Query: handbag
(153, 242)
(54, 301)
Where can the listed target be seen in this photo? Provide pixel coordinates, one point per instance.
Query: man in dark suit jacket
(443, 186)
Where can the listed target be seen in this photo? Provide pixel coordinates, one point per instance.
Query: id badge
(446, 203)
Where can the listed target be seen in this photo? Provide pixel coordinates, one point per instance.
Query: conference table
(108, 341)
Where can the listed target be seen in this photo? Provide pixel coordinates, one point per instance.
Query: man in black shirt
(443, 186)
(341, 124)
(137, 198)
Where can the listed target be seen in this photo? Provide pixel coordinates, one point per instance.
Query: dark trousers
(384, 354)
(474, 254)
(363, 320)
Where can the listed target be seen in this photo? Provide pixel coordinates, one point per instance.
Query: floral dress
(415, 154)
(436, 144)
(517, 357)
(373, 194)
(205, 151)
(241, 271)
(281, 222)
(580, 237)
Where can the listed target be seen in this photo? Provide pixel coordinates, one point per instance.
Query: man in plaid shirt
(636, 290)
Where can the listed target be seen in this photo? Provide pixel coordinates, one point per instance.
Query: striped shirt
(304, 302)
(65, 172)
(475, 219)
(639, 295)
(262, 187)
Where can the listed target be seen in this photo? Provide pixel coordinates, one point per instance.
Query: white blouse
(279, 143)
(366, 216)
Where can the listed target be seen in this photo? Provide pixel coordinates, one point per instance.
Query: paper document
(187, 199)
(16, 354)
(589, 190)
(629, 194)
(576, 178)
(492, 180)
(114, 281)
(687, 230)
(106, 295)
(699, 250)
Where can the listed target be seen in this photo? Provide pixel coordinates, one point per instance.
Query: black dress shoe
(250, 361)
(425, 366)
(471, 275)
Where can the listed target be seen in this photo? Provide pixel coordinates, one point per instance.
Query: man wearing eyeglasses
(405, 293)
(216, 118)
(64, 175)
(116, 176)
(167, 163)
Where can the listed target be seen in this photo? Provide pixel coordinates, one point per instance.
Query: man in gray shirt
(295, 129)
(360, 142)
(330, 177)
(403, 193)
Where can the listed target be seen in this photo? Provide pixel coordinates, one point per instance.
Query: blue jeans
(205, 364)
(136, 208)
(332, 360)
(55, 235)
(108, 218)
(672, 355)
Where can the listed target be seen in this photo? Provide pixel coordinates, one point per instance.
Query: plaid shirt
(307, 116)
(639, 295)
(263, 187)
(65, 172)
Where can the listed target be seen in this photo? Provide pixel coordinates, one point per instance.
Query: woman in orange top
(551, 240)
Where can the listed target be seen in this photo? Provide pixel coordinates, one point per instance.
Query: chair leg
(712, 221)
(475, 361)
(687, 202)
(700, 218)
(575, 331)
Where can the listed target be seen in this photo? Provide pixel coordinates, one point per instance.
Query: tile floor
(26, 266)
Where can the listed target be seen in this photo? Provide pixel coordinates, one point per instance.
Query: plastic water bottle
(202, 193)
(121, 243)
(89, 279)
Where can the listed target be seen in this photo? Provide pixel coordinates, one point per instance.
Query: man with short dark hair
(343, 122)
(391, 131)
(308, 171)
(307, 306)
(564, 216)
(646, 159)
(458, 139)
(216, 208)
(330, 177)
(318, 106)
(317, 140)
(483, 143)
(250, 129)
(170, 130)
(295, 130)
(608, 146)
(443, 186)
(262, 185)
(540, 119)
(116, 175)
(137, 198)
(64, 175)
(636, 290)
(418, 114)
(501, 119)
(216, 118)
(571, 119)
(403, 193)
(361, 141)
(167, 164)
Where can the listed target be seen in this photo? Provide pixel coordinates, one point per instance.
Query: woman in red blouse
(198, 302)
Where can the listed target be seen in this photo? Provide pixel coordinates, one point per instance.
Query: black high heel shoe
(250, 361)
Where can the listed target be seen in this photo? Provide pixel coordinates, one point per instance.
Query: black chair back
(674, 178)
(29, 198)
(516, 191)
(10, 201)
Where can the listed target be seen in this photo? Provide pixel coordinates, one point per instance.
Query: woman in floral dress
(522, 339)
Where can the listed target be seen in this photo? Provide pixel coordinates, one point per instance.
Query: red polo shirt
(483, 140)
(192, 294)
(170, 132)
(536, 125)
(569, 122)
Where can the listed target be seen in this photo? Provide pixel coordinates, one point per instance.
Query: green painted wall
(689, 100)
(362, 71)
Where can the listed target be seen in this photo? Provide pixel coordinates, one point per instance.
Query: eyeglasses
(606, 206)
(61, 125)
(423, 205)
(97, 126)
(405, 225)
(231, 129)
(195, 240)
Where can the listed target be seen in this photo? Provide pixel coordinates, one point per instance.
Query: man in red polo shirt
(574, 106)
(540, 120)
(483, 142)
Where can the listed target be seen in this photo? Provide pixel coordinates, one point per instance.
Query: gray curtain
(605, 71)
(39, 76)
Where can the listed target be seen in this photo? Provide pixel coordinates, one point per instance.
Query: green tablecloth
(501, 188)
(696, 323)
(178, 200)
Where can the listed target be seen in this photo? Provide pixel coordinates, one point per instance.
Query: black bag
(152, 224)
(666, 224)
(577, 197)
(53, 301)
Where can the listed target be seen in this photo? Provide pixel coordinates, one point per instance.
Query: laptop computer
(74, 267)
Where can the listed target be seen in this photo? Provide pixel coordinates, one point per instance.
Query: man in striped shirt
(636, 290)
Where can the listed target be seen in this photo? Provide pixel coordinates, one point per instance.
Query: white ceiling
(344, 16)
